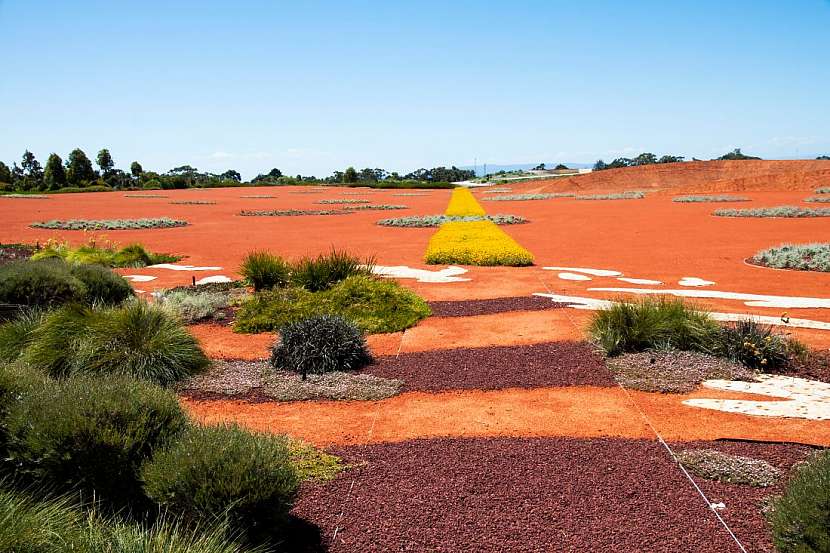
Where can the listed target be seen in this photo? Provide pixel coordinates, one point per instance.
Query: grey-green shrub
(225, 473)
(376, 207)
(422, 221)
(320, 344)
(109, 224)
(91, 435)
(818, 199)
(523, 197)
(194, 306)
(804, 257)
(291, 212)
(786, 211)
(824, 190)
(800, 517)
(632, 195)
(344, 201)
(653, 323)
(713, 199)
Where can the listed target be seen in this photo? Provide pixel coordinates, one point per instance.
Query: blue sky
(313, 86)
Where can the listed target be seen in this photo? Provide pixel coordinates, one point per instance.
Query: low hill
(700, 176)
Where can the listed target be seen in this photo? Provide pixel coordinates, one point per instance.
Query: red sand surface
(652, 238)
(582, 411)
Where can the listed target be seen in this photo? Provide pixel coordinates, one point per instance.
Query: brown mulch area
(497, 367)
(745, 504)
(257, 381)
(469, 308)
(15, 252)
(517, 495)
(674, 372)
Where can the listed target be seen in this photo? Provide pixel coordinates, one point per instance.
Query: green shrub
(102, 285)
(137, 339)
(15, 335)
(326, 270)
(757, 346)
(16, 380)
(60, 526)
(264, 270)
(91, 435)
(39, 284)
(77, 189)
(320, 344)
(652, 323)
(133, 255)
(800, 517)
(224, 472)
(374, 305)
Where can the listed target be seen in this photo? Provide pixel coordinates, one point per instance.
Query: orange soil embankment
(540, 412)
(697, 176)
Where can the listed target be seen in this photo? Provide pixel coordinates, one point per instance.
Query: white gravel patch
(587, 271)
(800, 398)
(573, 276)
(751, 300)
(175, 267)
(694, 281)
(643, 281)
(213, 279)
(450, 274)
(139, 278)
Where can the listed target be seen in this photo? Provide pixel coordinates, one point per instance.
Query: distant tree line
(77, 172)
(825, 158)
(367, 175)
(646, 158)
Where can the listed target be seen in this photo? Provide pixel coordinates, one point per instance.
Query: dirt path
(542, 412)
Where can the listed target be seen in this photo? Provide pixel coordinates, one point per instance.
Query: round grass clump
(800, 517)
(138, 339)
(320, 344)
(91, 435)
(803, 257)
(264, 270)
(228, 474)
(652, 323)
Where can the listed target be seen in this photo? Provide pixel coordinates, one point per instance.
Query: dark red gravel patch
(497, 367)
(511, 494)
(745, 504)
(469, 308)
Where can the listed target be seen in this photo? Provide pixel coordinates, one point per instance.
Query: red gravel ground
(492, 368)
(517, 495)
(491, 306)
(744, 504)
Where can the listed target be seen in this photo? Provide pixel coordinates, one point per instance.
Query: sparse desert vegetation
(803, 257)
(786, 211)
(710, 199)
(110, 224)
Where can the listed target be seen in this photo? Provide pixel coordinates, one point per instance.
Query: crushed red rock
(492, 368)
(520, 495)
(469, 308)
